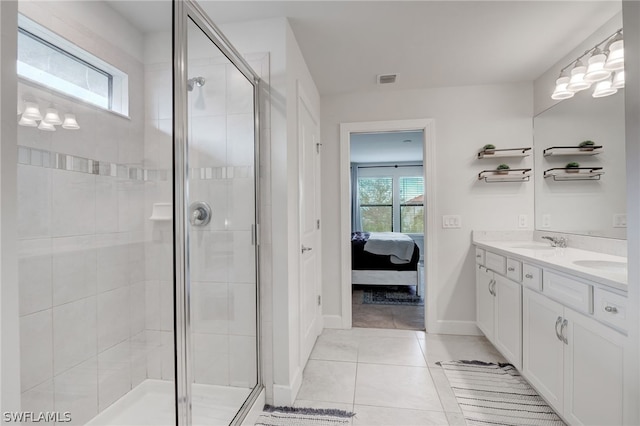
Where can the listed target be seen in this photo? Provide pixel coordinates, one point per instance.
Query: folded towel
(398, 246)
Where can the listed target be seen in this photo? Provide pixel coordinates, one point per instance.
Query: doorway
(347, 130)
(387, 196)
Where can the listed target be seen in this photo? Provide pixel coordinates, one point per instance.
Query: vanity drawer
(610, 308)
(479, 256)
(568, 291)
(514, 269)
(495, 262)
(532, 277)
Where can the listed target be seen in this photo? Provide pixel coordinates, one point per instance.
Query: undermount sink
(534, 247)
(607, 265)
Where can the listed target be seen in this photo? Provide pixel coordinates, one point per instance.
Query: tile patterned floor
(388, 377)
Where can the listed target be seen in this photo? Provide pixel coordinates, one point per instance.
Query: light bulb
(595, 70)
(604, 88)
(615, 58)
(561, 91)
(70, 122)
(618, 80)
(27, 122)
(52, 117)
(46, 126)
(577, 82)
(31, 111)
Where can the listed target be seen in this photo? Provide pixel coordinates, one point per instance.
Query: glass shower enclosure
(137, 229)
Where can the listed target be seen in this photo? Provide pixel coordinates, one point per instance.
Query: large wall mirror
(581, 202)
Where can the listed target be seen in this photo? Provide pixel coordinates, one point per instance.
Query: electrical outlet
(546, 221)
(522, 221)
(619, 220)
(451, 221)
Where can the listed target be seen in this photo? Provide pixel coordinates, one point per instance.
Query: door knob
(305, 249)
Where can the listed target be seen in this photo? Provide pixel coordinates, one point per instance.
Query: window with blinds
(411, 204)
(375, 195)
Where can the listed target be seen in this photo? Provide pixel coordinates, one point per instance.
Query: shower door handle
(199, 213)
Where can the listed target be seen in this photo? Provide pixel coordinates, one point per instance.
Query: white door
(594, 374)
(484, 301)
(542, 348)
(310, 270)
(508, 319)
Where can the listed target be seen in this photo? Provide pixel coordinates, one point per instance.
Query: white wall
(631, 16)
(9, 349)
(466, 118)
(282, 367)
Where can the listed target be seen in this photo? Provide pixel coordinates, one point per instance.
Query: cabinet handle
(529, 276)
(493, 288)
(511, 269)
(490, 283)
(558, 321)
(562, 329)
(478, 256)
(611, 309)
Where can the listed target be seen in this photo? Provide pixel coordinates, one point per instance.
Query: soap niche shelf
(572, 150)
(502, 153)
(577, 173)
(510, 175)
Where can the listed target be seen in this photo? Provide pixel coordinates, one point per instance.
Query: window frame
(117, 80)
(382, 170)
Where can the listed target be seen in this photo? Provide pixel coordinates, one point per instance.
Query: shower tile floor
(152, 403)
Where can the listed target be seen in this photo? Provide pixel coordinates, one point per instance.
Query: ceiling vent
(387, 78)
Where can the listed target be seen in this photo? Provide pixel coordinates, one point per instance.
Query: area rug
(496, 394)
(394, 295)
(298, 416)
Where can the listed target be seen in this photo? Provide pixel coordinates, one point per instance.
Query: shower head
(195, 81)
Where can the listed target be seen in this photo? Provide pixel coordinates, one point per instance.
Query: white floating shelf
(511, 175)
(572, 150)
(162, 212)
(579, 173)
(501, 153)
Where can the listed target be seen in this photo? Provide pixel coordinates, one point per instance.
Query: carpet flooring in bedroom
(403, 317)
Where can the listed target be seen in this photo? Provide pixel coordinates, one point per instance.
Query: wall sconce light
(52, 117)
(31, 115)
(70, 122)
(601, 65)
(31, 111)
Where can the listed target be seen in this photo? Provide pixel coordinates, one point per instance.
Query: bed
(386, 258)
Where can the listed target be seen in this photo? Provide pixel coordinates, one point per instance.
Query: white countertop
(564, 260)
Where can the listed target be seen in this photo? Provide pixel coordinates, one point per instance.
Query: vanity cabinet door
(542, 347)
(508, 320)
(485, 300)
(593, 362)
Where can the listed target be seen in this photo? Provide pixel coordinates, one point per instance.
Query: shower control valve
(199, 213)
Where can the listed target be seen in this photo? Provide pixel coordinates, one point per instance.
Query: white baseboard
(285, 395)
(464, 328)
(333, 321)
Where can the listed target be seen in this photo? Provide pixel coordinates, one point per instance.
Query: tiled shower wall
(81, 242)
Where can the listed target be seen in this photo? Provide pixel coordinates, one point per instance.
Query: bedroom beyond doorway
(387, 224)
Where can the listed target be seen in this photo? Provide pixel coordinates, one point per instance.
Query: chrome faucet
(556, 241)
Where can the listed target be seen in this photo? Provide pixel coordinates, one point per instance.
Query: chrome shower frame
(183, 11)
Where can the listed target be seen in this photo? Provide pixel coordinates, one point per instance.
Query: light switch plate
(522, 221)
(451, 221)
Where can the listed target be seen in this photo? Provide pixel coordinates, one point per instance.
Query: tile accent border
(59, 161)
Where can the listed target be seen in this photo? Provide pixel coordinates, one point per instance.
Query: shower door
(216, 279)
